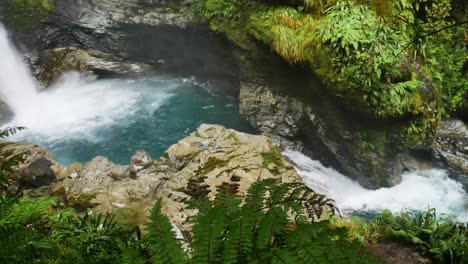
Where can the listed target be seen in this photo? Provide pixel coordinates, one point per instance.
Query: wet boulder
(55, 62)
(38, 173)
(451, 145)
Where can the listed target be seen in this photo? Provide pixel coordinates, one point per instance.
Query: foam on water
(72, 107)
(17, 87)
(417, 191)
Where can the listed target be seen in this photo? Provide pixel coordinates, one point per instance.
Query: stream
(78, 119)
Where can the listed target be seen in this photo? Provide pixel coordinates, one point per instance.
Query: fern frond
(210, 226)
(130, 256)
(163, 243)
(238, 244)
(272, 228)
(9, 131)
(27, 211)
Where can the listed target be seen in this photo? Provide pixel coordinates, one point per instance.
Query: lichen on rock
(194, 167)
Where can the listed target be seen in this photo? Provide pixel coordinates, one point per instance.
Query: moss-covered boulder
(194, 167)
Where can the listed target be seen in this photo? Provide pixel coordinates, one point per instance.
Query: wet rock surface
(38, 173)
(163, 34)
(56, 62)
(451, 145)
(291, 109)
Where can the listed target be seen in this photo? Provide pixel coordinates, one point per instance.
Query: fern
(131, 256)
(9, 131)
(238, 245)
(210, 225)
(164, 246)
(27, 211)
(8, 162)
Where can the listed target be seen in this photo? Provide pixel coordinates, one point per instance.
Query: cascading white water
(417, 191)
(72, 107)
(17, 87)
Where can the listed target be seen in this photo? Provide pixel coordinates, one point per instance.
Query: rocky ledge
(55, 62)
(194, 167)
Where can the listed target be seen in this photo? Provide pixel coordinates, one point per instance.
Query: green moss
(81, 202)
(273, 160)
(234, 138)
(24, 15)
(211, 164)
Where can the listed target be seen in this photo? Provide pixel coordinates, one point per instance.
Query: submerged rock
(451, 145)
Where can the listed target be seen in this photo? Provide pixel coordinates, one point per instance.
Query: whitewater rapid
(418, 190)
(72, 107)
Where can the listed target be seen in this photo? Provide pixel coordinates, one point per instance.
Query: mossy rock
(273, 160)
(81, 201)
(211, 164)
(25, 15)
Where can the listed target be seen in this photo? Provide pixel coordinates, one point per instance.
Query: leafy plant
(442, 238)
(276, 223)
(7, 162)
(24, 15)
(43, 231)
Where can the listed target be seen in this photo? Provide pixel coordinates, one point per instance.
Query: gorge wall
(285, 102)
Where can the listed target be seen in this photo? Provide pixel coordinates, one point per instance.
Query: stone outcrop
(38, 173)
(194, 167)
(56, 62)
(38, 168)
(283, 102)
(163, 34)
(451, 145)
(141, 160)
(294, 110)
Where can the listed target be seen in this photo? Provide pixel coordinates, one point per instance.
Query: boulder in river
(451, 144)
(194, 167)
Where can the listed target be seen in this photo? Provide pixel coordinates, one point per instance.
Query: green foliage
(446, 56)
(273, 160)
(223, 9)
(7, 162)
(442, 238)
(41, 231)
(276, 223)
(24, 15)
(396, 60)
(163, 245)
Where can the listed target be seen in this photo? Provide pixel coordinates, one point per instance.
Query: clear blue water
(158, 113)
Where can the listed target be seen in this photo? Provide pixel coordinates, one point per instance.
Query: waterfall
(418, 190)
(17, 87)
(70, 108)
